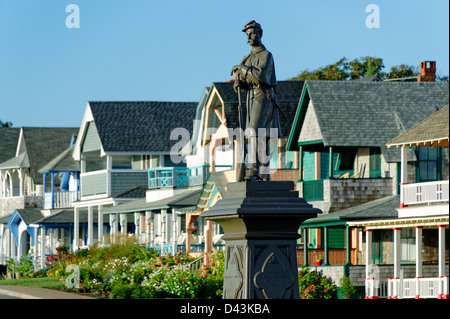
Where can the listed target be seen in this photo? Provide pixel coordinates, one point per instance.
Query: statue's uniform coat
(258, 69)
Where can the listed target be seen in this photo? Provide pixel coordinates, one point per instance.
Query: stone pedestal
(261, 222)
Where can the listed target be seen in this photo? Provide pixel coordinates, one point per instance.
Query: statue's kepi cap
(252, 24)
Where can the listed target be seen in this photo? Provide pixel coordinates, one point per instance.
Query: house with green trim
(336, 248)
(340, 130)
(418, 236)
(331, 126)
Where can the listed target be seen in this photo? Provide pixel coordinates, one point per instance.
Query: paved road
(21, 292)
(8, 297)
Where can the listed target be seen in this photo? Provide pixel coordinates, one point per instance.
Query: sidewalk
(39, 293)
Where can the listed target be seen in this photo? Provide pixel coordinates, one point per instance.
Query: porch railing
(418, 288)
(60, 199)
(165, 249)
(178, 176)
(422, 193)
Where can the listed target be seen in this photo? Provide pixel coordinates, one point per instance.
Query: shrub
(346, 287)
(129, 270)
(313, 286)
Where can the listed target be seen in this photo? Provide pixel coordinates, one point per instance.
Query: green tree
(5, 124)
(401, 71)
(359, 68)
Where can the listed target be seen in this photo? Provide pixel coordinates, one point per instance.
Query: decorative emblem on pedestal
(275, 277)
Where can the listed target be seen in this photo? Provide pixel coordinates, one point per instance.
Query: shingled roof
(140, 127)
(287, 95)
(8, 142)
(63, 162)
(367, 114)
(431, 131)
(43, 144)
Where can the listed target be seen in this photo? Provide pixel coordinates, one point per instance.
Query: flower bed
(127, 270)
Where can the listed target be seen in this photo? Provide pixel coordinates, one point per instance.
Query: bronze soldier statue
(256, 74)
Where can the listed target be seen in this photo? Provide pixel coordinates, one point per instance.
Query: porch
(61, 199)
(424, 278)
(108, 182)
(433, 287)
(178, 177)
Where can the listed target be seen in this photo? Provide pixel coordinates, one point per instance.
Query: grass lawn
(42, 282)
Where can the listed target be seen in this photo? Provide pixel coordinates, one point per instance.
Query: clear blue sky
(171, 50)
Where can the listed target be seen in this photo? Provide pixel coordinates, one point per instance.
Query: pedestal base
(261, 222)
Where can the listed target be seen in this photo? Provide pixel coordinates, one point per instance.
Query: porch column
(113, 223)
(325, 246)
(100, 223)
(330, 164)
(163, 229)
(2, 236)
(397, 255)
(418, 259)
(369, 280)
(43, 231)
(148, 222)
(137, 227)
(174, 233)
(403, 175)
(348, 247)
(305, 246)
(123, 224)
(443, 287)
(368, 251)
(90, 230)
(300, 163)
(36, 247)
(21, 173)
(76, 228)
(52, 205)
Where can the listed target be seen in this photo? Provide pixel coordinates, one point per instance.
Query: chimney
(427, 71)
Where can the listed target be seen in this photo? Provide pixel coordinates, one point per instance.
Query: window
(408, 242)
(427, 164)
(121, 162)
(377, 242)
(375, 163)
(94, 162)
(151, 161)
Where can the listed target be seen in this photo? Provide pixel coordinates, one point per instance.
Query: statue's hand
(234, 69)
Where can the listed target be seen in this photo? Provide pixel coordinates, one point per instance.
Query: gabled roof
(8, 142)
(287, 95)
(20, 161)
(64, 162)
(434, 130)
(43, 144)
(366, 114)
(28, 216)
(140, 127)
(377, 209)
